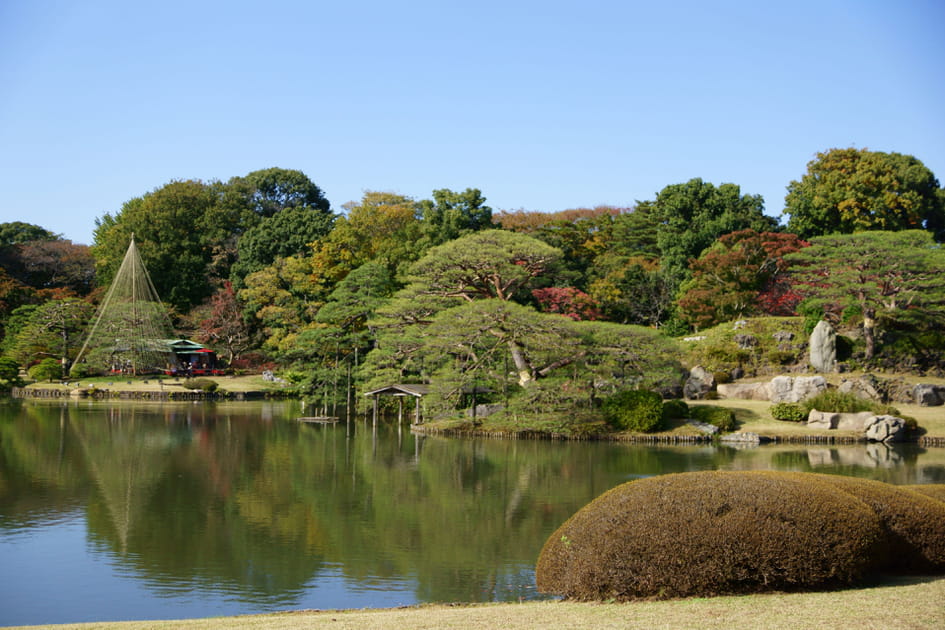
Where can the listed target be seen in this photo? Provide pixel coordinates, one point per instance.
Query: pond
(115, 511)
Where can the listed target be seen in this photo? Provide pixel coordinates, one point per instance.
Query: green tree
(874, 277)
(290, 232)
(851, 190)
(274, 190)
(452, 214)
(19, 232)
(46, 370)
(284, 299)
(693, 215)
(53, 329)
(176, 229)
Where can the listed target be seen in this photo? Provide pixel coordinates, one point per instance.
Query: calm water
(147, 511)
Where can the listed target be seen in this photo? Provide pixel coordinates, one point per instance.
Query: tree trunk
(524, 369)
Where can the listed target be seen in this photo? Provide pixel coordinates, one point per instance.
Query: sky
(541, 105)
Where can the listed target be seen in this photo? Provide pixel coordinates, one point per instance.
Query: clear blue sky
(541, 105)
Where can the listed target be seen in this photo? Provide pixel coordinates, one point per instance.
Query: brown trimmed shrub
(915, 523)
(934, 490)
(709, 533)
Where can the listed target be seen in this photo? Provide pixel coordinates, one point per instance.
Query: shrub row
(709, 533)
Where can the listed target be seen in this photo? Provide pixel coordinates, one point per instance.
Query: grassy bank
(916, 604)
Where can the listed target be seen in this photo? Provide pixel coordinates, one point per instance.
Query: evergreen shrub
(788, 412)
(914, 522)
(675, 409)
(46, 370)
(934, 490)
(721, 417)
(638, 410)
(203, 384)
(709, 533)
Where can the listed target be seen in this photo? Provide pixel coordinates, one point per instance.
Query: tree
(691, 216)
(874, 277)
(631, 289)
(851, 190)
(46, 370)
(568, 301)
(274, 190)
(290, 232)
(728, 277)
(20, 232)
(53, 329)
(51, 264)
(488, 264)
(225, 326)
(177, 229)
(453, 214)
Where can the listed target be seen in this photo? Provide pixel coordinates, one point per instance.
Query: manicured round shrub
(915, 522)
(934, 490)
(721, 417)
(46, 370)
(788, 412)
(675, 409)
(203, 384)
(634, 410)
(708, 533)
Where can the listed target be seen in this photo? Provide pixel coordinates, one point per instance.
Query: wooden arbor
(401, 391)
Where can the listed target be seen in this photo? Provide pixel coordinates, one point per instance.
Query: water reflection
(239, 502)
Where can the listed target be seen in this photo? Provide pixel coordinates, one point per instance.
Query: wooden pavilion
(401, 391)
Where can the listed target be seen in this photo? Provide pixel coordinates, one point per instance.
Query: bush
(837, 402)
(721, 377)
(721, 417)
(46, 370)
(914, 522)
(709, 533)
(203, 384)
(789, 412)
(934, 490)
(634, 410)
(675, 409)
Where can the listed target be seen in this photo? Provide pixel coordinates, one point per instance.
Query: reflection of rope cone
(131, 328)
(125, 466)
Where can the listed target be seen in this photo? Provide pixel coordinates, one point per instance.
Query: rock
(854, 421)
(696, 338)
(886, 429)
(745, 391)
(783, 336)
(822, 419)
(927, 395)
(789, 389)
(484, 410)
(744, 437)
(699, 383)
(746, 342)
(708, 429)
(867, 387)
(740, 324)
(823, 347)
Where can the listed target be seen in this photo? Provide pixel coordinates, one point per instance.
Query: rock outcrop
(875, 428)
(823, 348)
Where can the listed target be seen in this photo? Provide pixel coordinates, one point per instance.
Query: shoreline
(892, 603)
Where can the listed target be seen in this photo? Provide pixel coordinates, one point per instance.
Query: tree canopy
(851, 190)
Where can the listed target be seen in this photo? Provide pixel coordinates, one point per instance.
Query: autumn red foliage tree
(225, 325)
(741, 274)
(568, 301)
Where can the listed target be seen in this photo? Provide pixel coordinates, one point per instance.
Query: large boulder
(823, 347)
(885, 429)
(791, 389)
(744, 391)
(854, 421)
(699, 383)
(928, 395)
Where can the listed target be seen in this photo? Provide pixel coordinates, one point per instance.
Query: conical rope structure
(131, 330)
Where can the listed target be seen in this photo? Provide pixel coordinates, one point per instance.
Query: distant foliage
(46, 370)
(635, 410)
(568, 301)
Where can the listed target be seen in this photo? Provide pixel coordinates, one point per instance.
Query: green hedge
(788, 412)
(721, 417)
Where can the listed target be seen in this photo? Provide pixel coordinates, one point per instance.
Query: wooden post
(417, 421)
(400, 410)
(375, 410)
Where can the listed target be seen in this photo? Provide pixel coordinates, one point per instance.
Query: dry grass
(250, 383)
(915, 604)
